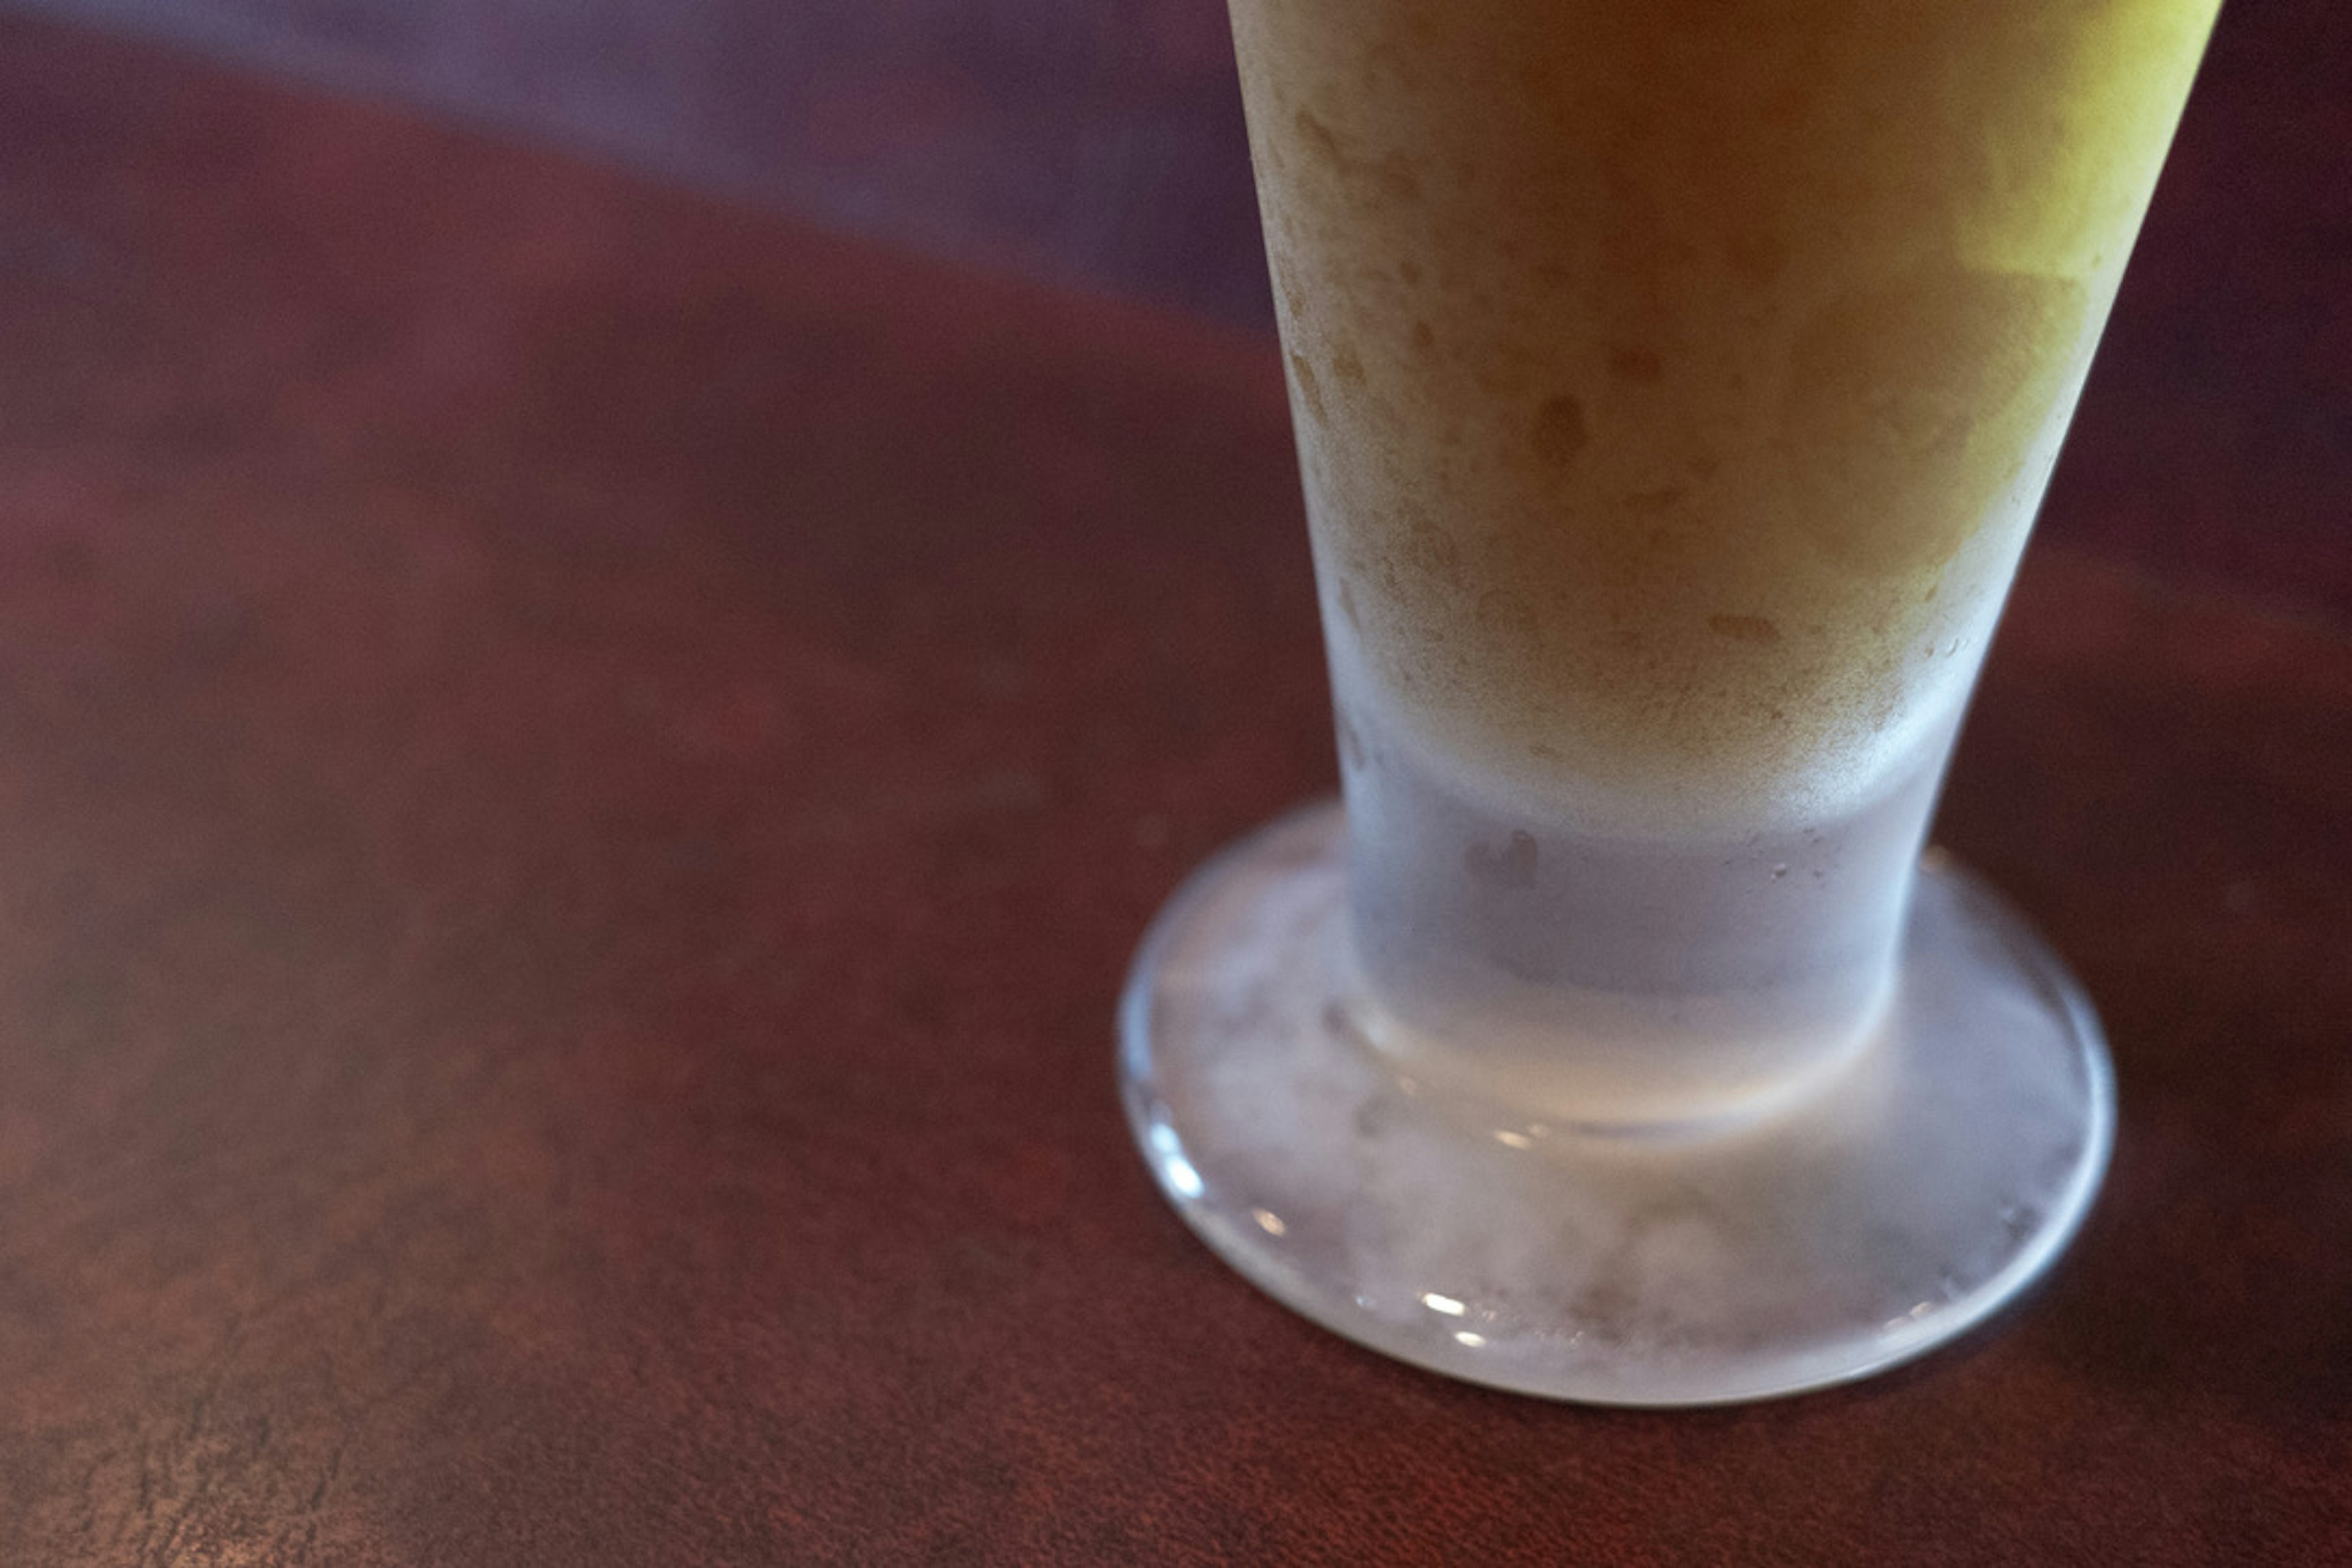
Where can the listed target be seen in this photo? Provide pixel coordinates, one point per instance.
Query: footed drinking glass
(1674, 387)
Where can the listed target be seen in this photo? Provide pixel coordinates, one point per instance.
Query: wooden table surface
(578, 773)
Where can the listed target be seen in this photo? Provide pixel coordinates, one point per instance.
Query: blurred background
(1099, 143)
(1089, 142)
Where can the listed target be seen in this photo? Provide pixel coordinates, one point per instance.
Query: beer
(1675, 382)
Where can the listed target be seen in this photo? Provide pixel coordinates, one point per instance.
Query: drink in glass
(1674, 386)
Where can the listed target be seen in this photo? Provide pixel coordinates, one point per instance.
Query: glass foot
(1885, 1213)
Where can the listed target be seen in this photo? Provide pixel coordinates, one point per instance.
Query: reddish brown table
(578, 772)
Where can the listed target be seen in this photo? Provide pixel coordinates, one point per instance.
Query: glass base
(1883, 1214)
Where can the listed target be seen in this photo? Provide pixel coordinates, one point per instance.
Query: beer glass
(1674, 386)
